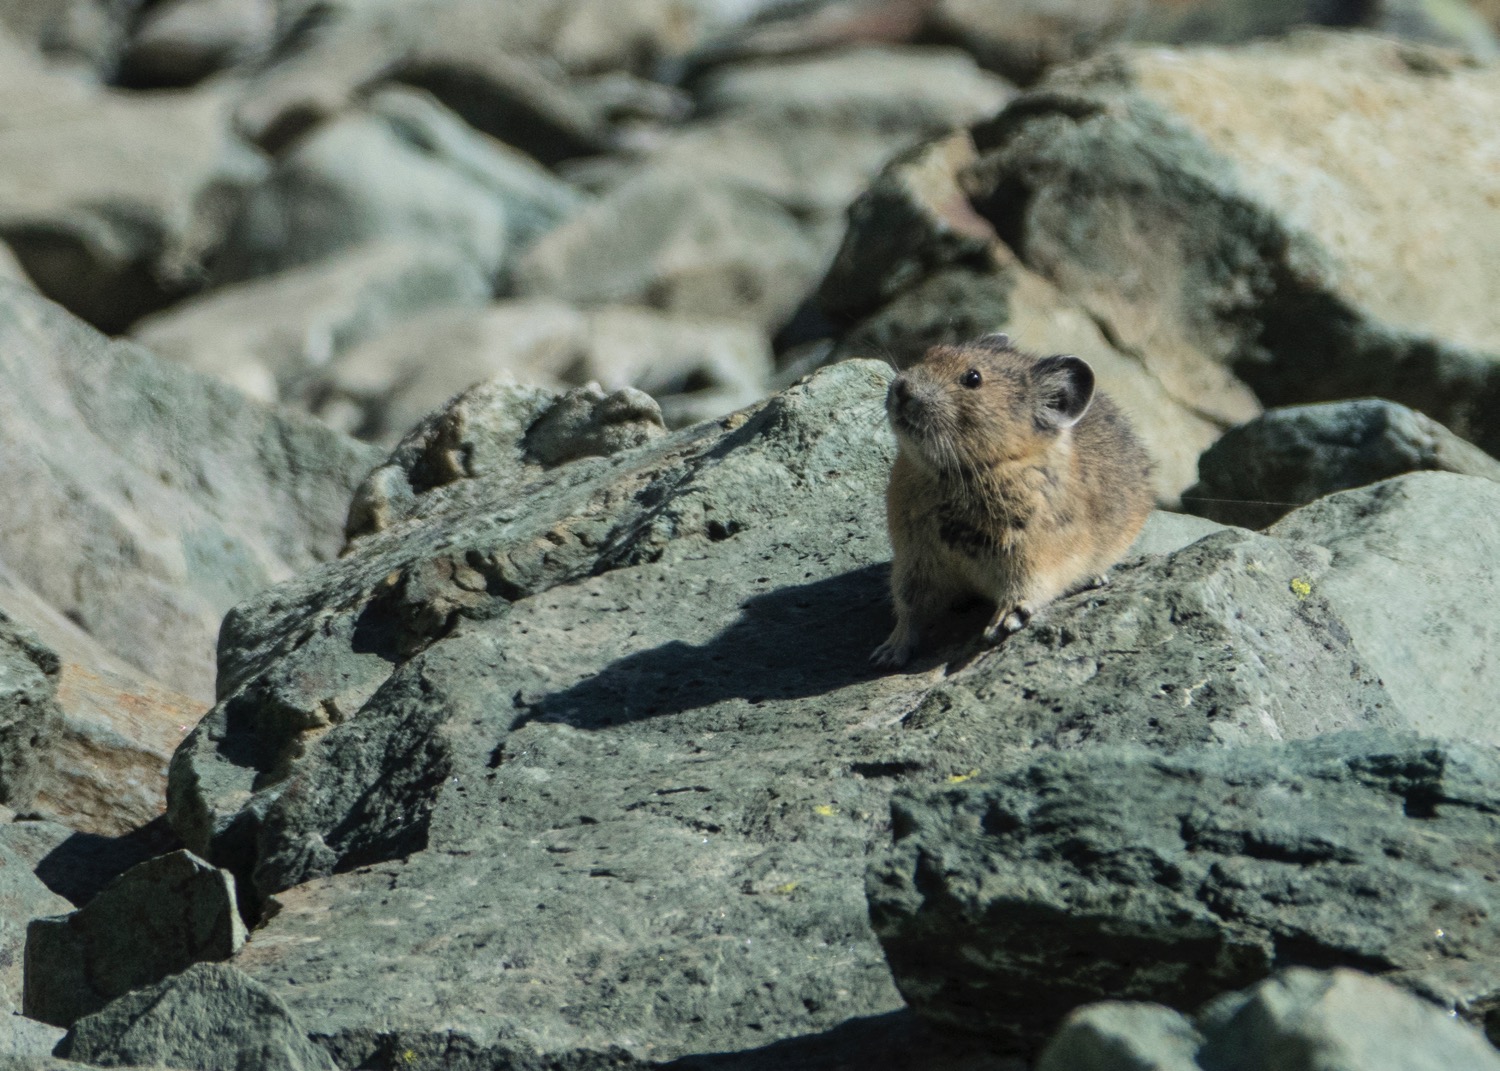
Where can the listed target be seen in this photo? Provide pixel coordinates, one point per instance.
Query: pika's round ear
(995, 341)
(1065, 387)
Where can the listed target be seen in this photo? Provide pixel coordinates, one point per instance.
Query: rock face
(156, 919)
(1227, 216)
(1260, 471)
(1298, 1020)
(1111, 874)
(209, 1017)
(23, 897)
(29, 718)
(146, 500)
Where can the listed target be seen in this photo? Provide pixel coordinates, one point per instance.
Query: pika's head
(986, 402)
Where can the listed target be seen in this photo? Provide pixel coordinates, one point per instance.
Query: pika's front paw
(1007, 621)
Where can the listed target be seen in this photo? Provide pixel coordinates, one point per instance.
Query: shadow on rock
(86, 862)
(796, 641)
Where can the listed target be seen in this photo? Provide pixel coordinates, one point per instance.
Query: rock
(27, 1045)
(23, 897)
(112, 201)
(706, 250)
(210, 1017)
(105, 766)
(919, 267)
(1197, 205)
(696, 370)
(154, 920)
(1022, 39)
(84, 35)
(145, 500)
(1439, 22)
(181, 42)
(10, 267)
(401, 168)
(275, 336)
(29, 718)
(1116, 873)
(1297, 1020)
(1262, 470)
(509, 69)
(1119, 1036)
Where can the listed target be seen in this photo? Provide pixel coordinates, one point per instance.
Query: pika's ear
(1065, 387)
(995, 341)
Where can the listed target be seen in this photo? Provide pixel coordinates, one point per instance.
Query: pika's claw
(1007, 621)
(893, 653)
(1088, 583)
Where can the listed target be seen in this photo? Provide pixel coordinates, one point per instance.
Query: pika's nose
(900, 392)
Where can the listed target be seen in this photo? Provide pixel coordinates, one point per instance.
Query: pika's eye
(971, 378)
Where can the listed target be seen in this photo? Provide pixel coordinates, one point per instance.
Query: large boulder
(23, 897)
(571, 669)
(1230, 218)
(1262, 470)
(1116, 874)
(400, 168)
(29, 718)
(112, 201)
(145, 500)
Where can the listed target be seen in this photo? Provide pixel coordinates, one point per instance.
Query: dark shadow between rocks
(790, 643)
(86, 862)
(896, 1041)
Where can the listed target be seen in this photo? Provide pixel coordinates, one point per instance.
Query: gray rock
(1260, 471)
(919, 267)
(112, 201)
(29, 718)
(83, 35)
(697, 370)
(1119, 874)
(274, 337)
(209, 1017)
(154, 920)
(10, 267)
(1119, 1036)
(402, 167)
(145, 500)
(1173, 195)
(1296, 1020)
(665, 239)
(23, 897)
(180, 42)
(1022, 39)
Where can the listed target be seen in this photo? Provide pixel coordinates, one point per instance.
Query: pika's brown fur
(1013, 481)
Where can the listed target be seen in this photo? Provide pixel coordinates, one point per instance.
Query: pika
(1014, 480)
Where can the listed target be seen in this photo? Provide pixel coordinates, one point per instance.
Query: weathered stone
(105, 766)
(273, 337)
(1229, 218)
(85, 35)
(179, 42)
(697, 370)
(1115, 873)
(144, 500)
(1022, 39)
(716, 250)
(23, 897)
(112, 201)
(403, 167)
(1262, 470)
(209, 1017)
(29, 718)
(1117, 1036)
(154, 920)
(10, 267)
(918, 268)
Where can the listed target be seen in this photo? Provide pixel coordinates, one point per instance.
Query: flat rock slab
(1119, 874)
(152, 921)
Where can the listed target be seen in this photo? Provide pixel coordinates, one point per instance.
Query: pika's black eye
(971, 378)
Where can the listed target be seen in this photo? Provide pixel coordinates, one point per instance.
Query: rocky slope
(434, 628)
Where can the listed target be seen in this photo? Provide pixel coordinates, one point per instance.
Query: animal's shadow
(792, 642)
